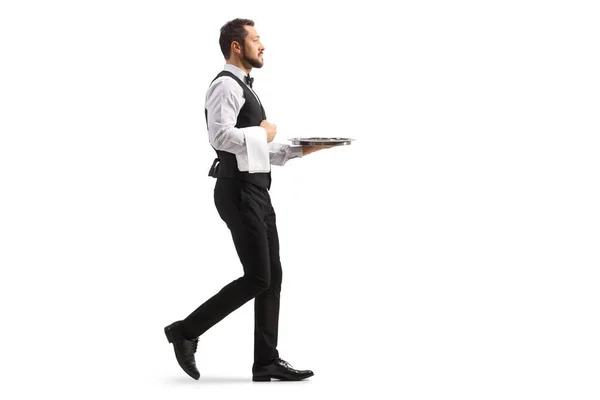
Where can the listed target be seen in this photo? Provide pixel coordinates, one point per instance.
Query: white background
(450, 252)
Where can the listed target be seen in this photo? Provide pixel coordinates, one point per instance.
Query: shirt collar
(236, 71)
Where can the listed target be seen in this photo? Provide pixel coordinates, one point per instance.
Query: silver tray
(322, 141)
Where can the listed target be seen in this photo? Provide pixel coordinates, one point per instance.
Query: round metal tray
(322, 141)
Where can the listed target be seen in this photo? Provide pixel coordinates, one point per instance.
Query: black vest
(251, 114)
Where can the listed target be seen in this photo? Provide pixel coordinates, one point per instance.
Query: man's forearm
(280, 153)
(234, 140)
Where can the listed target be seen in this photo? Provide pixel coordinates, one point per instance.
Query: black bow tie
(249, 80)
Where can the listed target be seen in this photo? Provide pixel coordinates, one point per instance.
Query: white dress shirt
(224, 100)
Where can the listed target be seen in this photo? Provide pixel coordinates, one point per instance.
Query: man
(243, 139)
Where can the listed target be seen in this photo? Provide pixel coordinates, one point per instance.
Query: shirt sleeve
(224, 100)
(280, 153)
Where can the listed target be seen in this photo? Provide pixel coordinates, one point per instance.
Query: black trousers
(249, 215)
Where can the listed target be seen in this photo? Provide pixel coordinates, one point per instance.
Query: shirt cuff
(295, 151)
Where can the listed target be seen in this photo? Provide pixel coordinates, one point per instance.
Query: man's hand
(311, 149)
(270, 128)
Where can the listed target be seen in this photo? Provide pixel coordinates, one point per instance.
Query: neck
(238, 63)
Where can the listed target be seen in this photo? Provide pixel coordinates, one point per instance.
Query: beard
(254, 62)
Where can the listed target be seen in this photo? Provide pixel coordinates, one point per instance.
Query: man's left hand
(311, 149)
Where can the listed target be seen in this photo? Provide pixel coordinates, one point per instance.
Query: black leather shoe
(184, 349)
(278, 369)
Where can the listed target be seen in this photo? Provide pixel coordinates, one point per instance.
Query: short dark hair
(233, 31)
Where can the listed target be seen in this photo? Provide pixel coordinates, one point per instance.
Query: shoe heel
(261, 379)
(169, 333)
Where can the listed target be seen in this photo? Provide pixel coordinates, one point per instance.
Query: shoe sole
(261, 379)
(268, 379)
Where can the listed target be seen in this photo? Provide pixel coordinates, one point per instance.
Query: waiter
(239, 132)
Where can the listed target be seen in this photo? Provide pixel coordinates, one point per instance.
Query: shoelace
(194, 344)
(287, 364)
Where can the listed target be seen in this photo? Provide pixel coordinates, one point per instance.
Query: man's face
(252, 48)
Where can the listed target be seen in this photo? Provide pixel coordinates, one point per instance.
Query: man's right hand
(270, 128)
